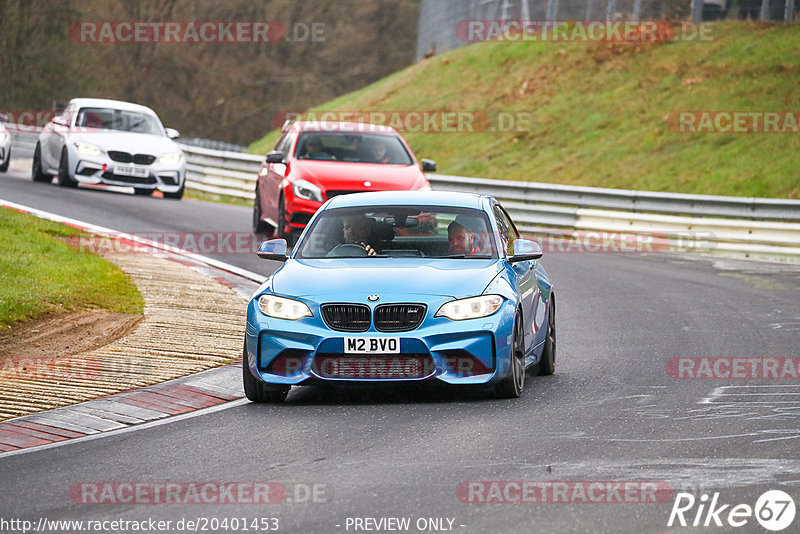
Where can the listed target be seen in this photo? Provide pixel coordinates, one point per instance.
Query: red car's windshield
(352, 147)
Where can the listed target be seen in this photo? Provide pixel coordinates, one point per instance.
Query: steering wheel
(347, 250)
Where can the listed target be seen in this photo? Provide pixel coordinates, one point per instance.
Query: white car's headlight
(88, 150)
(471, 308)
(307, 190)
(283, 308)
(3, 137)
(170, 159)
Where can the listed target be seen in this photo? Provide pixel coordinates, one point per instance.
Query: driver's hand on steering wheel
(369, 249)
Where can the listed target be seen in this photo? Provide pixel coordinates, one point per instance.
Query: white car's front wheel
(37, 173)
(4, 166)
(64, 179)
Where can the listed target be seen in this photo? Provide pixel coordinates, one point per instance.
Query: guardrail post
(611, 10)
(637, 10)
(764, 15)
(697, 11)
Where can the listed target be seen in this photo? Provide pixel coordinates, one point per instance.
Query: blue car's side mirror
(274, 249)
(525, 250)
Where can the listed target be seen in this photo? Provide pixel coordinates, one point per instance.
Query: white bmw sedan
(96, 141)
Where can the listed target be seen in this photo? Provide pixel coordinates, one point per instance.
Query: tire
(37, 173)
(257, 391)
(64, 179)
(259, 226)
(547, 365)
(284, 230)
(514, 382)
(142, 192)
(177, 195)
(4, 166)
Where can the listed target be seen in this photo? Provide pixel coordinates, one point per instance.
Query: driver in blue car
(357, 230)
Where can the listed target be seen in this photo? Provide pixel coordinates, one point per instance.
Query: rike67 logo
(774, 510)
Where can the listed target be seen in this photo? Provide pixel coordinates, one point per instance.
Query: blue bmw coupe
(393, 287)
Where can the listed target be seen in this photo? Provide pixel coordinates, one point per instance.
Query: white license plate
(372, 345)
(138, 172)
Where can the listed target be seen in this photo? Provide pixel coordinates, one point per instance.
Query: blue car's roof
(416, 198)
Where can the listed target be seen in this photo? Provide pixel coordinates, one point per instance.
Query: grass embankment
(600, 111)
(43, 274)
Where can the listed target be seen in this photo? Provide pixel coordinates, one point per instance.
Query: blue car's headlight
(282, 308)
(471, 308)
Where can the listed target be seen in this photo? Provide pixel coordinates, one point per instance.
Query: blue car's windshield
(399, 231)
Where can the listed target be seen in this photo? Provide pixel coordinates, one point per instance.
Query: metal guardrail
(221, 172)
(629, 200)
(750, 226)
(754, 227)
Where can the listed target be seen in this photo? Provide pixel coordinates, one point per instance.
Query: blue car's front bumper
(475, 351)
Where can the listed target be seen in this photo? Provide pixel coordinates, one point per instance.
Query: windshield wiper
(458, 256)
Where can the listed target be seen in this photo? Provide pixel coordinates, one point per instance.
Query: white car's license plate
(372, 345)
(138, 172)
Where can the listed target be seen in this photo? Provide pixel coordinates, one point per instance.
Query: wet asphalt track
(610, 413)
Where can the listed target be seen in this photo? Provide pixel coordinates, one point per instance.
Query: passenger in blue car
(462, 240)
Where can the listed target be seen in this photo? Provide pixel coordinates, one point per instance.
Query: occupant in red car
(313, 149)
(379, 154)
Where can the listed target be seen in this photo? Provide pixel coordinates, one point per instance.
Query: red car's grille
(331, 194)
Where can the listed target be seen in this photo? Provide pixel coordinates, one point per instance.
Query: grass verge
(600, 110)
(43, 274)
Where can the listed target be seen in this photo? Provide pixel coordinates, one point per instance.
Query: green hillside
(600, 111)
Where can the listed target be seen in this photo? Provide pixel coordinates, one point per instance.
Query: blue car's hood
(342, 277)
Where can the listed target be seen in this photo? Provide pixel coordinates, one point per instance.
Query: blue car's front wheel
(257, 391)
(514, 382)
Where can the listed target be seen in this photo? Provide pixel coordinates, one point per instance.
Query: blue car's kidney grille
(399, 317)
(346, 317)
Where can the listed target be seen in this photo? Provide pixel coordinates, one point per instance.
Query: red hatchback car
(314, 161)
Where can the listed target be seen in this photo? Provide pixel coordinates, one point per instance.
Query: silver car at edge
(5, 145)
(98, 141)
